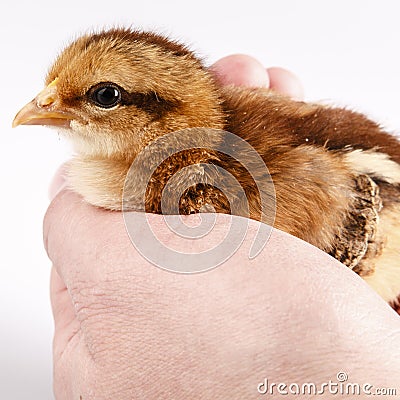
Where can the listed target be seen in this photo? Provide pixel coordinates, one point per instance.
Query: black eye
(106, 96)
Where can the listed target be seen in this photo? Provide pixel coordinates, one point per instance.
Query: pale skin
(126, 329)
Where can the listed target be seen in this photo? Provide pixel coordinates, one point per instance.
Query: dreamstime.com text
(339, 386)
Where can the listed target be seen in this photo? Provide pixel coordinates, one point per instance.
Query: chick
(336, 173)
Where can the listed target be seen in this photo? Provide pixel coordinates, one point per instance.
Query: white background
(345, 52)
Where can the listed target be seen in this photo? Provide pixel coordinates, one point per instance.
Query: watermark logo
(342, 376)
(339, 386)
(142, 172)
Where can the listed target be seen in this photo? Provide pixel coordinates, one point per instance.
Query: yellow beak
(44, 110)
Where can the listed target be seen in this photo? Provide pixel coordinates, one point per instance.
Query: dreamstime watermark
(142, 172)
(339, 386)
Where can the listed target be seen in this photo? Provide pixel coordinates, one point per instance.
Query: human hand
(126, 329)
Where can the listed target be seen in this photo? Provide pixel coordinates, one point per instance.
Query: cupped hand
(126, 329)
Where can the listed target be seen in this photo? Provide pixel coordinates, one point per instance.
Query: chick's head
(114, 92)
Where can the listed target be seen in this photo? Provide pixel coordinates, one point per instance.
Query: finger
(69, 350)
(66, 326)
(86, 243)
(74, 232)
(240, 70)
(243, 70)
(285, 82)
(58, 182)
